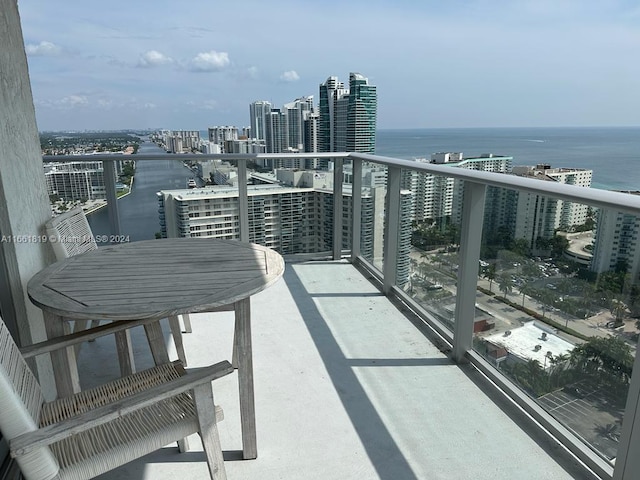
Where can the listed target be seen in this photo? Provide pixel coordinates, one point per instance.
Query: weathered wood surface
(159, 278)
(99, 416)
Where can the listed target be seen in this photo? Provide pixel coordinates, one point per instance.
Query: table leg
(245, 378)
(125, 353)
(156, 343)
(65, 368)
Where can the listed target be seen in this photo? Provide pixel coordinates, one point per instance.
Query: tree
(546, 298)
(520, 246)
(558, 245)
(525, 290)
(609, 359)
(531, 270)
(505, 284)
(618, 309)
(490, 274)
(530, 376)
(542, 243)
(610, 431)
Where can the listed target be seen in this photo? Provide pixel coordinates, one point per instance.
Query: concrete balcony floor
(346, 388)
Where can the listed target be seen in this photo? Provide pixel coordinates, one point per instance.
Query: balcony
(359, 375)
(391, 369)
(347, 387)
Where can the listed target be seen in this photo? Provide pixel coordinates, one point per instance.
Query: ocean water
(612, 153)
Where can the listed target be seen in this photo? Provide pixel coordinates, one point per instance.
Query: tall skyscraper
(330, 92)
(361, 115)
(258, 113)
(276, 131)
(296, 112)
(347, 116)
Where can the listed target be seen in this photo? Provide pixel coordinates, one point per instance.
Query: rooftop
(347, 387)
(532, 342)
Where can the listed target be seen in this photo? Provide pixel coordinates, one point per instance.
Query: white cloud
(74, 101)
(203, 104)
(252, 72)
(210, 61)
(105, 103)
(290, 76)
(153, 58)
(43, 49)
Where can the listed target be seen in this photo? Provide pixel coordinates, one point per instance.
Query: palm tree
(525, 290)
(490, 274)
(505, 284)
(610, 431)
(618, 309)
(610, 359)
(546, 298)
(531, 270)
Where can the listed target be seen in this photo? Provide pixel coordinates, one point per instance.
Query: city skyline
(477, 64)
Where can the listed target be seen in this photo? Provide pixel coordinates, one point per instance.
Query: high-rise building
(258, 113)
(220, 134)
(361, 115)
(436, 196)
(331, 91)
(75, 180)
(311, 125)
(347, 115)
(277, 131)
(178, 141)
(296, 112)
(294, 215)
(617, 243)
(537, 216)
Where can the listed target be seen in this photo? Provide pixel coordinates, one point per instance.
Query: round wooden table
(156, 279)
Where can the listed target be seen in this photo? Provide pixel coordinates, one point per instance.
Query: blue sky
(465, 63)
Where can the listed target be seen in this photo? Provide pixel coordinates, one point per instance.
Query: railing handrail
(615, 200)
(472, 225)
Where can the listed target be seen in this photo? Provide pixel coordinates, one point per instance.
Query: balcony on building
(365, 369)
(368, 364)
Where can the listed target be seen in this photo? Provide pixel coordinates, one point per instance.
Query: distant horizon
(377, 130)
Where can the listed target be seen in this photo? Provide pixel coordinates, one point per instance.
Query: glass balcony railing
(535, 283)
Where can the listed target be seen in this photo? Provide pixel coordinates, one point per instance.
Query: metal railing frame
(475, 183)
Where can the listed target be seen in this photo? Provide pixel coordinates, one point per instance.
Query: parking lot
(590, 411)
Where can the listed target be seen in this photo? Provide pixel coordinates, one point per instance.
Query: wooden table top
(155, 278)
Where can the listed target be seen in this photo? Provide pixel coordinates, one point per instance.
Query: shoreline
(102, 204)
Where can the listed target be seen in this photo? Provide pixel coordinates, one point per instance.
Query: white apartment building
(436, 196)
(75, 180)
(538, 216)
(210, 147)
(289, 219)
(219, 134)
(179, 141)
(617, 241)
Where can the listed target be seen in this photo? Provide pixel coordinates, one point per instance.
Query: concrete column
(24, 203)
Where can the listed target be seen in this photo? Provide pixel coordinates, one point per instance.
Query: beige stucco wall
(24, 203)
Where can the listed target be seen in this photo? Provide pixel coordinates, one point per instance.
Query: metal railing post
(469, 258)
(243, 201)
(391, 229)
(337, 208)
(356, 203)
(628, 454)
(109, 171)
